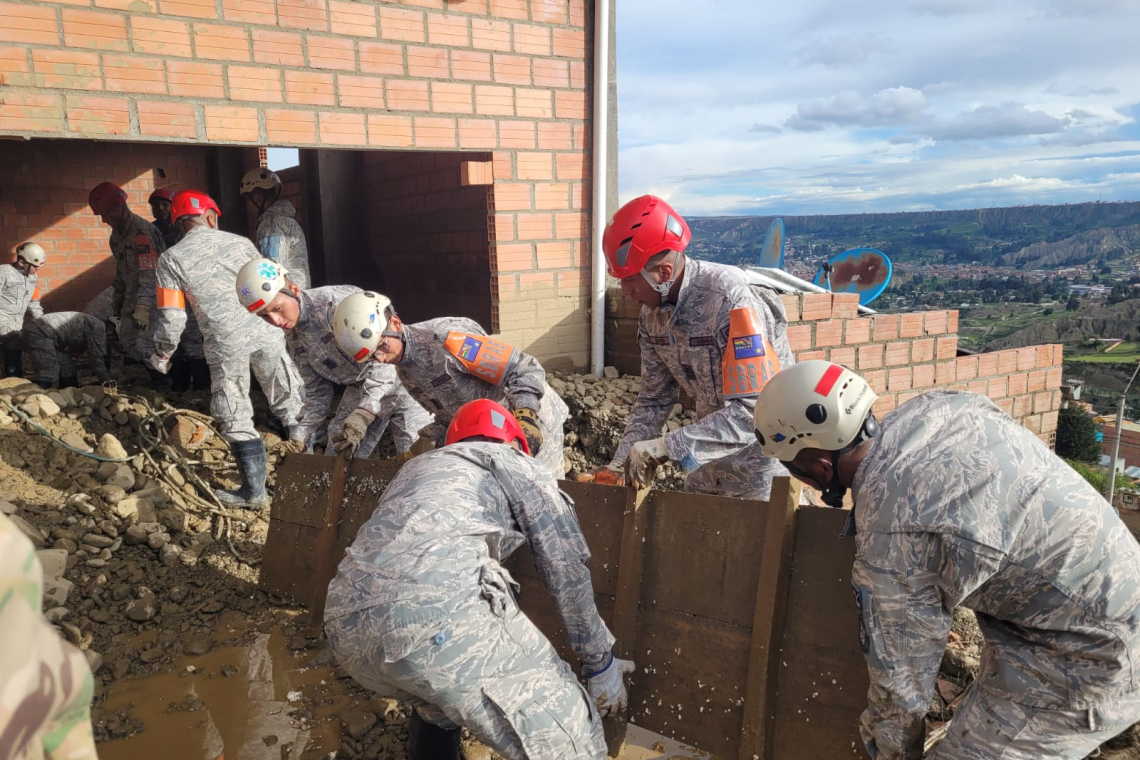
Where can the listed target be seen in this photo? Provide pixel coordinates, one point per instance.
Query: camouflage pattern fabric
(128, 274)
(958, 504)
(441, 384)
(682, 346)
(371, 386)
(45, 683)
(280, 238)
(49, 338)
(100, 306)
(18, 299)
(202, 269)
(169, 231)
(190, 344)
(422, 606)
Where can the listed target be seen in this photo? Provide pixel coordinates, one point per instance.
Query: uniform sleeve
(524, 381)
(35, 308)
(377, 383)
(547, 519)
(315, 405)
(654, 402)
(273, 245)
(906, 586)
(119, 286)
(171, 308)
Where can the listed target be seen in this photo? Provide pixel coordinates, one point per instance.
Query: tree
(1076, 436)
(1097, 477)
(1073, 304)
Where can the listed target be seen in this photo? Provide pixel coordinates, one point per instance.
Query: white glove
(355, 426)
(141, 316)
(643, 460)
(607, 686)
(159, 362)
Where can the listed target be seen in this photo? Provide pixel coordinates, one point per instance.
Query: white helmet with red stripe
(33, 253)
(360, 322)
(258, 282)
(811, 405)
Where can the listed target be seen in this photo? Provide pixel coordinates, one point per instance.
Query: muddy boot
(13, 362)
(70, 381)
(159, 383)
(430, 742)
(200, 372)
(180, 375)
(252, 467)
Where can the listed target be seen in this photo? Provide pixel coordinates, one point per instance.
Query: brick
(856, 331)
(221, 43)
(578, 75)
(231, 124)
(342, 128)
(550, 72)
(1006, 405)
(514, 257)
(844, 356)
(828, 332)
(1026, 358)
(490, 35)
(791, 302)
(401, 25)
(570, 225)
(361, 92)
(1044, 355)
(577, 12)
(518, 134)
(309, 88)
(569, 43)
(160, 36)
(510, 9)
(512, 196)
(303, 14)
(535, 104)
(997, 387)
(1053, 377)
(947, 348)
(978, 386)
(28, 24)
(1007, 361)
(799, 337)
(884, 405)
(331, 53)
(1018, 384)
(479, 133)
(407, 95)
(571, 166)
(14, 67)
(66, 69)
(254, 83)
(158, 119)
(555, 255)
(20, 112)
(899, 379)
(277, 48)
(1032, 423)
(91, 29)
(449, 31)
(922, 350)
(191, 79)
(504, 226)
(451, 97)
(922, 376)
(531, 39)
(549, 11)
(935, 322)
(534, 166)
(897, 352)
(1058, 353)
(579, 195)
(285, 127)
(434, 132)
(552, 196)
(816, 306)
(870, 356)
(430, 63)
(1042, 402)
(1049, 422)
(946, 373)
(570, 104)
(98, 116)
(389, 131)
(1036, 381)
(987, 365)
(471, 66)
(885, 327)
(910, 325)
(807, 356)
(952, 321)
(381, 58)
(250, 11)
(192, 8)
(511, 69)
(554, 136)
(843, 305)
(133, 73)
(352, 18)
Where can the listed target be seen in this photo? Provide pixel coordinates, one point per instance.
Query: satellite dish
(865, 271)
(772, 252)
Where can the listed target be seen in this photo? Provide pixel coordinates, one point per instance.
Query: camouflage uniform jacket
(100, 306)
(127, 246)
(439, 533)
(19, 295)
(682, 346)
(958, 504)
(169, 230)
(201, 270)
(72, 329)
(323, 365)
(280, 238)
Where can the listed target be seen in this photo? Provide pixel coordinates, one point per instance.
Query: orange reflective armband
(482, 356)
(36, 293)
(148, 259)
(749, 359)
(171, 299)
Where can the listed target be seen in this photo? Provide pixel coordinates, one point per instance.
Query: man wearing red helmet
(201, 270)
(702, 330)
(160, 201)
(422, 610)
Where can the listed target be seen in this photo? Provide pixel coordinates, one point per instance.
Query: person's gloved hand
(643, 460)
(606, 476)
(159, 362)
(528, 421)
(141, 316)
(607, 686)
(351, 435)
(405, 457)
(291, 446)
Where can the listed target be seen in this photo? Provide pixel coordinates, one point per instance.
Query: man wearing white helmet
(446, 362)
(279, 237)
(372, 396)
(19, 297)
(958, 504)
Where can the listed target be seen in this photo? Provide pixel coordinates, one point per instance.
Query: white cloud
(992, 121)
(891, 107)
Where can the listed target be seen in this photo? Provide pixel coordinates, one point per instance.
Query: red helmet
(191, 203)
(104, 196)
(485, 417)
(641, 229)
(165, 193)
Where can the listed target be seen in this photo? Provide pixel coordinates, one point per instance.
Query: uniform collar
(674, 309)
(304, 307)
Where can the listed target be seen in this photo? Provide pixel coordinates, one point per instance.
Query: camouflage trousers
(987, 727)
(50, 361)
(229, 386)
(746, 475)
(129, 336)
(483, 666)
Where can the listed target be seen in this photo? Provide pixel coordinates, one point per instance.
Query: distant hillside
(1121, 320)
(1107, 244)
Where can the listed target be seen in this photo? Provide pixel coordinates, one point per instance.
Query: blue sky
(732, 107)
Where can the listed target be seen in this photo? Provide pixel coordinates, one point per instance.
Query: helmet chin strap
(833, 495)
(661, 288)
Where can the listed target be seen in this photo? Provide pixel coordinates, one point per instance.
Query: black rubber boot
(200, 371)
(159, 383)
(71, 381)
(430, 742)
(13, 362)
(180, 375)
(253, 468)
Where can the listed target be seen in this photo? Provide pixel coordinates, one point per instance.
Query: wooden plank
(768, 621)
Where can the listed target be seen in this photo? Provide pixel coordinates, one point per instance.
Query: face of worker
(26, 266)
(115, 214)
(391, 349)
(259, 198)
(160, 209)
(636, 287)
(283, 311)
(812, 467)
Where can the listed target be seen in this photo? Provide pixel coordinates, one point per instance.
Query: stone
(169, 554)
(7, 508)
(152, 656)
(186, 433)
(30, 408)
(948, 690)
(48, 408)
(959, 662)
(199, 644)
(134, 509)
(356, 723)
(107, 528)
(142, 609)
(157, 540)
(121, 418)
(123, 477)
(76, 441)
(134, 536)
(113, 494)
(119, 667)
(174, 518)
(98, 540)
(105, 470)
(56, 591)
(66, 544)
(57, 614)
(175, 475)
(611, 373)
(110, 447)
(34, 534)
(53, 561)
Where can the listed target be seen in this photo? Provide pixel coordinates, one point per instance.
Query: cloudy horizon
(732, 107)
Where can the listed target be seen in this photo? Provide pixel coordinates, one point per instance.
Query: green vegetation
(1076, 436)
(1112, 358)
(1096, 476)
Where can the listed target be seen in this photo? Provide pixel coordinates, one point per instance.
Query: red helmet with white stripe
(484, 417)
(641, 229)
(191, 203)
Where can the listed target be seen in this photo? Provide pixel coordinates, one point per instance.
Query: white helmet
(259, 178)
(32, 253)
(812, 405)
(258, 282)
(360, 323)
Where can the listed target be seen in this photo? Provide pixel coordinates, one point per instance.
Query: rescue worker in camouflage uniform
(421, 608)
(446, 362)
(19, 298)
(201, 270)
(958, 504)
(47, 687)
(160, 201)
(705, 331)
(279, 237)
(135, 245)
(373, 395)
(52, 338)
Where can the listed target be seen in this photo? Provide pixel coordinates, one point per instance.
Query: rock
(16, 461)
(29, 408)
(948, 690)
(7, 508)
(105, 470)
(56, 591)
(356, 723)
(110, 447)
(142, 609)
(959, 662)
(107, 528)
(66, 544)
(157, 540)
(94, 659)
(199, 644)
(100, 562)
(48, 408)
(113, 494)
(98, 540)
(169, 554)
(175, 475)
(134, 509)
(57, 614)
(53, 561)
(134, 536)
(121, 418)
(152, 656)
(34, 534)
(611, 373)
(75, 441)
(119, 667)
(174, 518)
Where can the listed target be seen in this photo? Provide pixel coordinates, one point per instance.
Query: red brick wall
(1129, 445)
(43, 197)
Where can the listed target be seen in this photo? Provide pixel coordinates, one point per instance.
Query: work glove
(405, 457)
(643, 460)
(528, 421)
(141, 316)
(159, 362)
(607, 686)
(605, 476)
(355, 426)
(292, 446)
